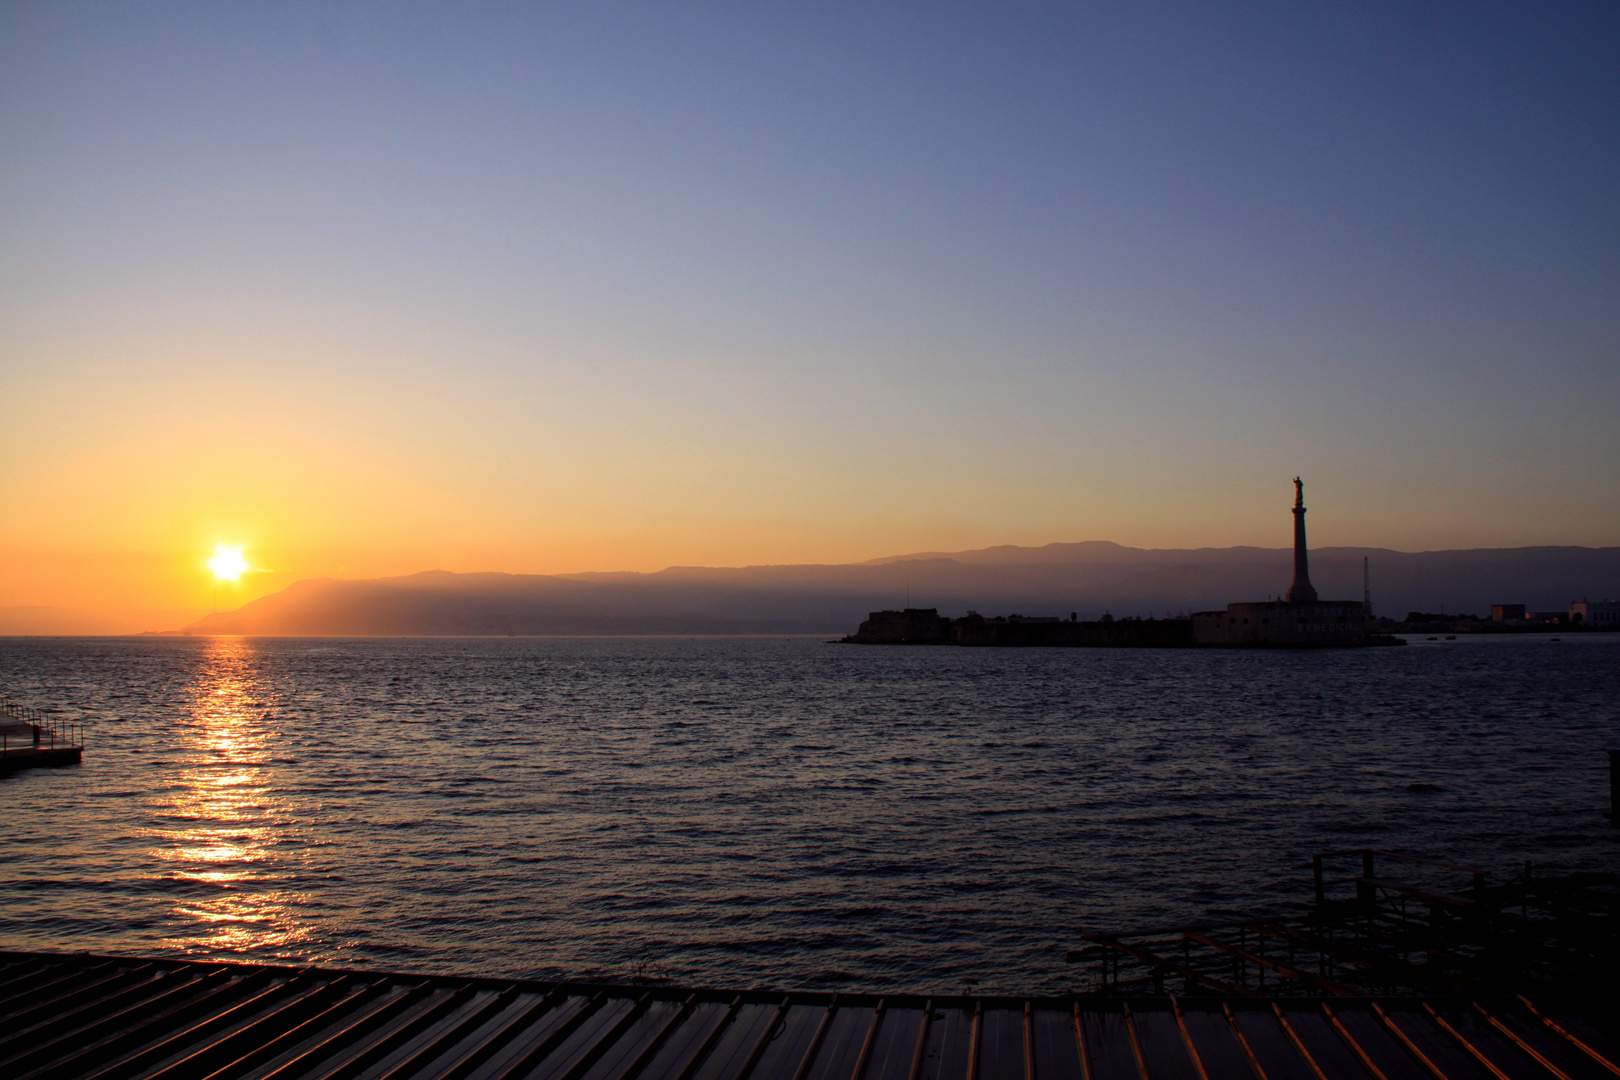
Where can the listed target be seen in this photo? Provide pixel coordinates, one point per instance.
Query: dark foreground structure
(30, 739)
(1399, 927)
(94, 1016)
(1389, 980)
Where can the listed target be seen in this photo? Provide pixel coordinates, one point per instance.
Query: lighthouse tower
(1301, 591)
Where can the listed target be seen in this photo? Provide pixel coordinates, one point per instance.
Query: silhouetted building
(1299, 620)
(1506, 612)
(913, 626)
(1604, 613)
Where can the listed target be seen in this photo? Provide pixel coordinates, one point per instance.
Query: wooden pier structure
(32, 739)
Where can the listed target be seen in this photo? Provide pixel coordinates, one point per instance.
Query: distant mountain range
(1088, 578)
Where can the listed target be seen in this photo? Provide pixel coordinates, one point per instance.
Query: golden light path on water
(219, 824)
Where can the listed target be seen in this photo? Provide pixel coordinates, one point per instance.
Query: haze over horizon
(371, 289)
(1092, 577)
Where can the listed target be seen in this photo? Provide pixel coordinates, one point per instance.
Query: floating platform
(30, 739)
(99, 1016)
(31, 757)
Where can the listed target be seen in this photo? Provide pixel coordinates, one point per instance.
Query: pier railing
(47, 732)
(1420, 926)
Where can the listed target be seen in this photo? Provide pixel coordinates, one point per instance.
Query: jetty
(30, 739)
(926, 626)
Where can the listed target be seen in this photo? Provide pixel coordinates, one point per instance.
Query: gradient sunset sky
(378, 288)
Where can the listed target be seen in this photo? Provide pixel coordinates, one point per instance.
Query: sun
(228, 562)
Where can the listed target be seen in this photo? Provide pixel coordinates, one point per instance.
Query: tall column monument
(1301, 591)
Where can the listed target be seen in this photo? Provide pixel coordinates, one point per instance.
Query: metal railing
(49, 732)
(1426, 933)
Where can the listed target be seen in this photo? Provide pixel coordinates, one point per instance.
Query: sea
(775, 812)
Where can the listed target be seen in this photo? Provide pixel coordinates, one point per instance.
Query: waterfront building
(1598, 613)
(912, 626)
(1301, 618)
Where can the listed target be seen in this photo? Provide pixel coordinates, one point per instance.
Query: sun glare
(228, 562)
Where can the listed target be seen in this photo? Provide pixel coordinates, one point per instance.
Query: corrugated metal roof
(93, 1016)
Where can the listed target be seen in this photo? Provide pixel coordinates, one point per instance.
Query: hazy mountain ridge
(1087, 578)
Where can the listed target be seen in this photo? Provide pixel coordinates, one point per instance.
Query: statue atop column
(1301, 592)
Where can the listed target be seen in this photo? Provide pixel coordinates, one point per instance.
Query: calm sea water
(777, 812)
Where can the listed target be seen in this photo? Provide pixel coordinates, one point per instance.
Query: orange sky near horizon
(124, 487)
(616, 288)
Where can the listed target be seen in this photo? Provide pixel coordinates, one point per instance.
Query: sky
(376, 288)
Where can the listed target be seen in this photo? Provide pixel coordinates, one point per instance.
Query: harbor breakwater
(926, 626)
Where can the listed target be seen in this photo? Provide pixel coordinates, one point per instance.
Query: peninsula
(1300, 620)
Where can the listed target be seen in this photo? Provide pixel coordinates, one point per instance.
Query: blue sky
(624, 285)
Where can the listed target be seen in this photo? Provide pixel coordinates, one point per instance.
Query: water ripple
(778, 812)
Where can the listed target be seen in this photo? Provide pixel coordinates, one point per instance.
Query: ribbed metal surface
(88, 1016)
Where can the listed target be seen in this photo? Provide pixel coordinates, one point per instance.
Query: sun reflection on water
(219, 827)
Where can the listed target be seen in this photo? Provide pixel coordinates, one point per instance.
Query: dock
(80, 1015)
(30, 739)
